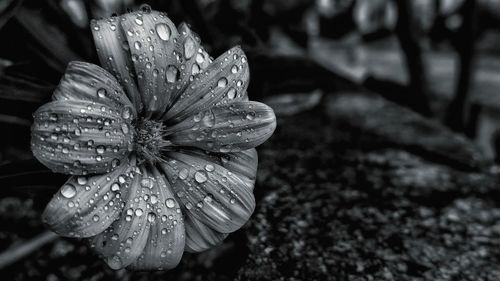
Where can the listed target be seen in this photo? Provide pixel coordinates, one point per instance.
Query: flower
(159, 142)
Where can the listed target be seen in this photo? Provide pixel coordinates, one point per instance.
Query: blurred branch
(28, 176)
(7, 10)
(405, 32)
(26, 248)
(457, 115)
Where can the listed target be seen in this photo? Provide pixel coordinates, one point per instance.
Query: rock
(364, 191)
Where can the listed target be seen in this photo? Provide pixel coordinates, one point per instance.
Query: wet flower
(159, 140)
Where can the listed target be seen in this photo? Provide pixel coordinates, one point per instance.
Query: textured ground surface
(358, 189)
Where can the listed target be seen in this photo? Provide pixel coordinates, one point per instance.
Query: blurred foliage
(439, 58)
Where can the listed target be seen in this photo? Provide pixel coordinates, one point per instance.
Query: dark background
(382, 167)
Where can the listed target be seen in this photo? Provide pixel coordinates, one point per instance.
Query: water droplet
(101, 93)
(170, 203)
(208, 198)
(195, 69)
(172, 74)
(95, 218)
(68, 191)
(163, 254)
(81, 180)
(100, 149)
(115, 187)
(222, 82)
(234, 69)
(189, 206)
(189, 47)
(147, 183)
(209, 168)
(183, 174)
(115, 162)
(126, 113)
(250, 116)
(163, 31)
(125, 129)
(138, 20)
(145, 8)
(138, 212)
(231, 94)
(137, 45)
(151, 217)
(200, 176)
(199, 58)
(209, 119)
(114, 237)
(98, 158)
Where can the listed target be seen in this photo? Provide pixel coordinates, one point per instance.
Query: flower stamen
(150, 141)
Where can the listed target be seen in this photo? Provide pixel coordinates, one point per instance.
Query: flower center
(150, 140)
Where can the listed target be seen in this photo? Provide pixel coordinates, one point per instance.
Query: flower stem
(23, 249)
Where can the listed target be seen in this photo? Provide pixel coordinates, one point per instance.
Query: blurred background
(383, 165)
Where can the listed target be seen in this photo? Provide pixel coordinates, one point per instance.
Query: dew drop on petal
(100, 149)
(138, 20)
(115, 187)
(172, 74)
(101, 93)
(200, 176)
(183, 174)
(231, 94)
(199, 58)
(68, 191)
(137, 45)
(250, 116)
(195, 69)
(234, 69)
(145, 8)
(126, 113)
(170, 203)
(147, 183)
(209, 168)
(163, 31)
(222, 82)
(151, 217)
(138, 212)
(81, 180)
(125, 128)
(189, 48)
(209, 119)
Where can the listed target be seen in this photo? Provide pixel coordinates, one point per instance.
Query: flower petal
(200, 237)
(229, 128)
(244, 163)
(81, 137)
(89, 82)
(153, 42)
(224, 81)
(166, 240)
(209, 192)
(86, 206)
(123, 242)
(114, 55)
